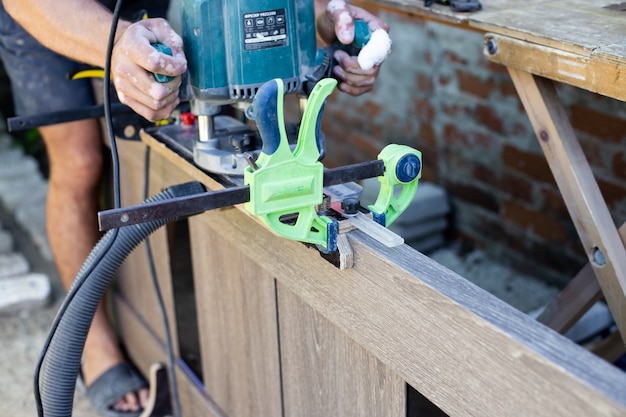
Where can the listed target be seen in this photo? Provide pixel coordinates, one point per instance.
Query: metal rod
(195, 204)
(18, 123)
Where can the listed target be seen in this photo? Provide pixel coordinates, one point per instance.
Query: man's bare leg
(75, 156)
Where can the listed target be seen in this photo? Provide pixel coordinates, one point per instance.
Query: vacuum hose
(63, 359)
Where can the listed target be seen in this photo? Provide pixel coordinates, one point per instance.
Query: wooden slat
(463, 349)
(592, 72)
(237, 321)
(325, 373)
(144, 348)
(611, 348)
(578, 187)
(582, 292)
(136, 283)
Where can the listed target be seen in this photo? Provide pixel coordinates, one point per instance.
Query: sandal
(112, 385)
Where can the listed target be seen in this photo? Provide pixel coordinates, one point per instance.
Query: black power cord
(171, 375)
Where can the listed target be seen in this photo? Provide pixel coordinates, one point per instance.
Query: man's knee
(75, 152)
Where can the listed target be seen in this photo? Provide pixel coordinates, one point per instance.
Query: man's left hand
(337, 23)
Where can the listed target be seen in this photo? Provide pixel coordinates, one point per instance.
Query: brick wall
(437, 92)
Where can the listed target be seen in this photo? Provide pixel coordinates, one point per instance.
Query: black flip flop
(111, 386)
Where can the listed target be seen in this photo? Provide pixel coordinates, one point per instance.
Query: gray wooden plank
(325, 373)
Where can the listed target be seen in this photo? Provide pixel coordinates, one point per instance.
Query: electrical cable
(171, 374)
(75, 287)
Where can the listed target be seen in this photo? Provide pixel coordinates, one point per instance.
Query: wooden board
(237, 322)
(325, 373)
(574, 41)
(456, 344)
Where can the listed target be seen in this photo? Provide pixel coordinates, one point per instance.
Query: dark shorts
(39, 76)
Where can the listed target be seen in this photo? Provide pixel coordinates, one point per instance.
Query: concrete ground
(23, 334)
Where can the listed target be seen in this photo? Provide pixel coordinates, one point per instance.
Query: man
(40, 42)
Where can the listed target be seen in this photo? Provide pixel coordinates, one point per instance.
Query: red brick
(598, 124)
(548, 261)
(507, 89)
(612, 192)
(619, 165)
(532, 164)
(473, 85)
(444, 80)
(522, 129)
(455, 163)
(424, 109)
(483, 140)
(486, 229)
(512, 185)
(493, 67)
(454, 58)
(486, 175)
(593, 152)
(453, 110)
(428, 58)
(425, 83)
(429, 173)
(539, 223)
(371, 109)
(426, 135)
(366, 145)
(471, 194)
(517, 187)
(487, 116)
(552, 202)
(453, 136)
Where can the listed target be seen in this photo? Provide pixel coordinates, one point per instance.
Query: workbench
(280, 331)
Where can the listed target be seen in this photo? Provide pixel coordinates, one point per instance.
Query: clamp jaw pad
(403, 167)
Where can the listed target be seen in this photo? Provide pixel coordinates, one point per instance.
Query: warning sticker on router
(263, 30)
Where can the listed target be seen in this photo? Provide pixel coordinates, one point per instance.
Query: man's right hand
(134, 62)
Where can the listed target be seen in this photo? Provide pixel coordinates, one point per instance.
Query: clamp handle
(403, 167)
(287, 186)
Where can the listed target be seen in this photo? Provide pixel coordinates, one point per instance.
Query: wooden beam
(580, 191)
(598, 74)
(580, 294)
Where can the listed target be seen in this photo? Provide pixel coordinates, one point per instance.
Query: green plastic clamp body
(287, 183)
(403, 167)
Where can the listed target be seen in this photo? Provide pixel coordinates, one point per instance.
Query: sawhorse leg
(573, 175)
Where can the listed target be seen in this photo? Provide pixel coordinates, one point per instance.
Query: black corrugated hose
(62, 361)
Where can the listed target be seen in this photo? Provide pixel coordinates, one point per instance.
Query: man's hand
(135, 60)
(337, 23)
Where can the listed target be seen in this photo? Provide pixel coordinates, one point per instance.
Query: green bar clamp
(403, 167)
(289, 185)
